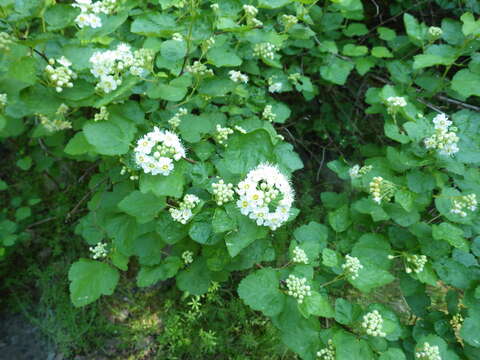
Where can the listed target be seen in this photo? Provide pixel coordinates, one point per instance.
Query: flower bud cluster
(222, 192)
(298, 288)
(265, 196)
(214, 7)
(327, 353)
(156, 151)
(60, 76)
(444, 139)
(462, 203)
(288, 21)
(417, 261)
(175, 120)
(187, 257)
(381, 189)
(131, 172)
(237, 76)
(373, 324)
(199, 69)
(109, 66)
(240, 129)
(295, 77)
(456, 322)
(250, 13)
(264, 50)
(89, 12)
(5, 41)
(435, 31)
(356, 171)
(428, 352)
(102, 115)
(3, 100)
(59, 122)
(394, 103)
(184, 211)
(222, 133)
(268, 113)
(352, 266)
(99, 251)
(208, 44)
(299, 256)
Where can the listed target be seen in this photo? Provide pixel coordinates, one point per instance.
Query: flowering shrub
(184, 109)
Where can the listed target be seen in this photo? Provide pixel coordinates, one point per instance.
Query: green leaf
(196, 278)
(470, 331)
(381, 52)
(329, 258)
(339, 219)
(89, 280)
(416, 31)
(173, 50)
(336, 70)
(312, 238)
(386, 33)
(371, 277)
(355, 29)
(354, 50)
(154, 24)
(78, 145)
(144, 207)
(349, 347)
(223, 56)
(470, 25)
(374, 249)
(24, 69)
(171, 185)
(201, 232)
(316, 304)
(167, 92)
(451, 234)
(435, 55)
(246, 233)
(112, 137)
(260, 291)
(465, 83)
(273, 4)
(393, 354)
(346, 312)
(148, 276)
(60, 16)
(221, 222)
(405, 198)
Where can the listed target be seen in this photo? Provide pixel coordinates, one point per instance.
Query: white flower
(3, 100)
(435, 31)
(298, 288)
(259, 189)
(396, 101)
(275, 87)
(264, 50)
(183, 213)
(237, 76)
(373, 324)
(250, 10)
(444, 139)
(99, 251)
(62, 76)
(187, 257)
(222, 134)
(156, 151)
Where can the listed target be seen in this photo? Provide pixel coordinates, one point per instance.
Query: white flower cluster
(373, 324)
(327, 353)
(250, 12)
(299, 256)
(156, 151)
(187, 257)
(102, 115)
(265, 187)
(395, 102)
(417, 261)
(268, 113)
(89, 12)
(356, 171)
(428, 352)
(175, 120)
(237, 76)
(275, 87)
(109, 66)
(3, 100)
(59, 122)
(298, 288)
(177, 37)
(468, 202)
(222, 133)
(289, 20)
(5, 41)
(264, 50)
(184, 211)
(214, 7)
(60, 76)
(435, 31)
(99, 251)
(199, 69)
(222, 192)
(352, 266)
(240, 129)
(381, 189)
(444, 140)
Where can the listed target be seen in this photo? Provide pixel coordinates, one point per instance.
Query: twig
(82, 200)
(40, 222)
(191, 161)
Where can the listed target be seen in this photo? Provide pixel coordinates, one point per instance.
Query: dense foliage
(203, 130)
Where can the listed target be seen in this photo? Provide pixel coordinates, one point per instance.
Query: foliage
(229, 83)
